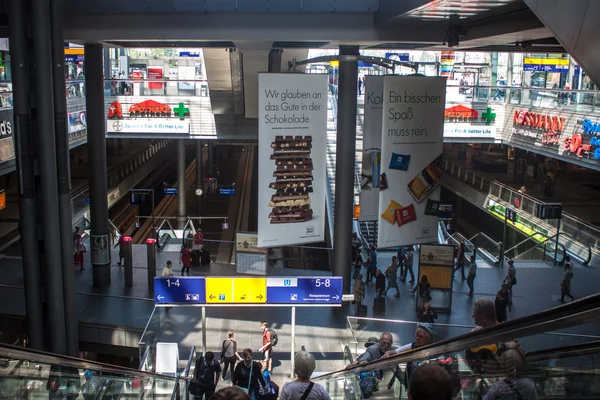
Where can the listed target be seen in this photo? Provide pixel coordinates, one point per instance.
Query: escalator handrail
(185, 374)
(43, 357)
(566, 351)
(531, 238)
(348, 353)
(580, 244)
(572, 314)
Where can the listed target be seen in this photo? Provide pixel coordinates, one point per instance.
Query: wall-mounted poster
(155, 73)
(371, 157)
(411, 141)
(292, 130)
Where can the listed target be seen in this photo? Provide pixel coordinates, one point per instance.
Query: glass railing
(147, 343)
(487, 247)
(537, 353)
(537, 247)
(155, 87)
(32, 374)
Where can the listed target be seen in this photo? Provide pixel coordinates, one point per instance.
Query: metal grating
(173, 43)
(298, 45)
(399, 46)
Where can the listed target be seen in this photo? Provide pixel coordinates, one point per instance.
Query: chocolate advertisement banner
(371, 156)
(411, 141)
(292, 129)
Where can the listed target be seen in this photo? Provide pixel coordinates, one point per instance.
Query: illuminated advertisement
(584, 143)
(541, 128)
(148, 116)
(465, 122)
(520, 223)
(7, 148)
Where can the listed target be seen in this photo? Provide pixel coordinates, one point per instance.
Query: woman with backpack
(248, 375)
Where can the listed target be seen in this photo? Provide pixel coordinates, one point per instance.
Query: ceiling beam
(390, 10)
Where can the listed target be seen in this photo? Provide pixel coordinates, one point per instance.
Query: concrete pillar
(344, 164)
(519, 168)
(211, 157)
(94, 100)
(23, 139)
(275, 60)
(64, 177)
(46, 140)
(181, 212)
(199, 176)
(107, 64)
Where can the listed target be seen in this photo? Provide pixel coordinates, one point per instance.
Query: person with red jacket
(198, 240)
(185, 258)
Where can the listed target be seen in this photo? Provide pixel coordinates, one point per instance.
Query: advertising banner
(371, 157)
(155, 73)
(411, 141)
(292, 130)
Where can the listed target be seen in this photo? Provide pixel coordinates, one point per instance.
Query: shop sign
(540, 127)
(149, 109)
(531, 64)
(147, 126)
(585, 144)
(464, 122)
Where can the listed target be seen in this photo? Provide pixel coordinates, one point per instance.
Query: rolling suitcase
(195, 256)
(204, 257)
(379, 306)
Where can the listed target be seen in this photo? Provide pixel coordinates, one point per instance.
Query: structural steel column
(48, 177)
(275, 60)
(65, 212)
(211, 158)
(107, 63)
(344, 163)
(181, 212)
(94, 101)
(199, 176)
(23, 140)
(519, 167)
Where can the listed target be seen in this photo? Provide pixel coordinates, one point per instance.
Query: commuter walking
(121, 244)
(206, 377)
(408, 266)
(78, 248)
(267, 345)
(247, 375)
(302, 388)
(510, 280)
(372, 264)
(185, 258)
(501, 303)
(359, 290)
(401, 254)
(472, 274)
(423, 288)
(229, 354)
(379, 282)
(565, 285)
(460, 260)
(357, 262)
(391, 273)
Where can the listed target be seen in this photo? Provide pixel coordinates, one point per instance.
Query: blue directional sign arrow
(182, 290)
(309, 290)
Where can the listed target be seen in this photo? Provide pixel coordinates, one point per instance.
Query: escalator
(556, 362)
(550, 362)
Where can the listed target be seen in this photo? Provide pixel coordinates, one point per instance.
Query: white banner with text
(292, 141)
(371, 156)
(411, 141)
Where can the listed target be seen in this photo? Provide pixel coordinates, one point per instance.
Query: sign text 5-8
(324, 282)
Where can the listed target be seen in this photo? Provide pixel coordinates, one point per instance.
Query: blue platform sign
(170, 190)
(398, 56)
(189, 54)
(313, 290)
(179, 290)
(227, 191)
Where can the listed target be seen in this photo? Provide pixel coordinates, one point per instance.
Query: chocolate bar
(425, 182)
(405, 215)
(432, 208)
(390, 211)
(292, 174)
(400, 161)
(293, 183)
(383, 182)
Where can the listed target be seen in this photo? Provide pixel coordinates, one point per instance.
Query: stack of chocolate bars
(293, 179)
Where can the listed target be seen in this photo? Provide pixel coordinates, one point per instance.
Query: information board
(183, 290)
(248, 290)
(313, 290)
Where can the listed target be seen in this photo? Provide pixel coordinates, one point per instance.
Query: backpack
(274, 338)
